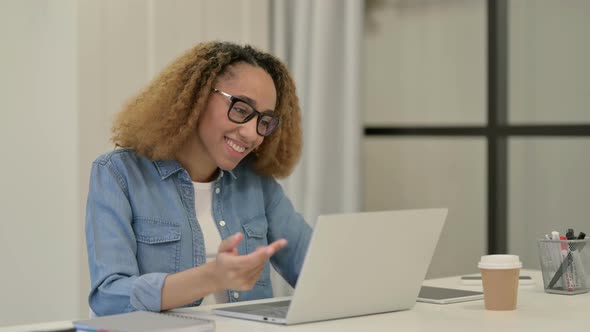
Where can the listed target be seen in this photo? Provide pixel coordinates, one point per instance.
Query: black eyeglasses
(241, 112)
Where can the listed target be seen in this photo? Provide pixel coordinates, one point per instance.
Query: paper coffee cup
(499, 275)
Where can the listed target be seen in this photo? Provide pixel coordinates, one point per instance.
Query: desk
(537, 311)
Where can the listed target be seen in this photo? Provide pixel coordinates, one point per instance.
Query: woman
(188, 207)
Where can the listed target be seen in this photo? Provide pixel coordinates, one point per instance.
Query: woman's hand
(241, 272)
(228, 271)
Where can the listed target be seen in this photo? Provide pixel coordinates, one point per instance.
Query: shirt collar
(168, 167)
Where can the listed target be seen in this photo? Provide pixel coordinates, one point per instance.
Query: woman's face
(225, 143)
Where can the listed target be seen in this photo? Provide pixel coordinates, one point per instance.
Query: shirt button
(217, 190)
(222, 223)
(236, 295)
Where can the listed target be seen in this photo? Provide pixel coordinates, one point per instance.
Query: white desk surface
(537, 311)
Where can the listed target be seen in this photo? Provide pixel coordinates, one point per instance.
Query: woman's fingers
(231, 243)
(277, 245)
(242, 272)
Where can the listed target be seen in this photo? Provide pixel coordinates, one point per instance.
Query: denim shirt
(141, 226)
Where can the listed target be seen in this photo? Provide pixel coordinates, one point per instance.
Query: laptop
(356, 264)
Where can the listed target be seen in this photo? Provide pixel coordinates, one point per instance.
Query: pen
(580, 246)
(566, 256)
(569, 235)
(555, 258)
(558, 273)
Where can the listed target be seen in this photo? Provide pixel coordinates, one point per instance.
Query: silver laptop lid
(365, 263)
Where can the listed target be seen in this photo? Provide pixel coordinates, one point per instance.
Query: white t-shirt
(203, 207)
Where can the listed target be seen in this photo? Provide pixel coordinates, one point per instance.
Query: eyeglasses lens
(241, 112)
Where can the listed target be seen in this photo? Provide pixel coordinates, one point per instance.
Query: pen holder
(565, 265)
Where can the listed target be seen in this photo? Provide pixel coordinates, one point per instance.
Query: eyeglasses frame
(233, 100)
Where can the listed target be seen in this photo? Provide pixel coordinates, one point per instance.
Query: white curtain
(321, 43)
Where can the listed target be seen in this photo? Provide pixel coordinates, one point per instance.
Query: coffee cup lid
(500, 262)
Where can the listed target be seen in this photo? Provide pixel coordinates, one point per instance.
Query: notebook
(356, 264)
(145, 321)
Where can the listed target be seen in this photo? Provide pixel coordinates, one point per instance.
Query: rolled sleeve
(146, 292)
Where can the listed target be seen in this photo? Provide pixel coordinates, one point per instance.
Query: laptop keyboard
(277, 312)
(277, 309)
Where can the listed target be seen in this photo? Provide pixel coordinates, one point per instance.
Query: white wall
(40, 230)
(67, 66)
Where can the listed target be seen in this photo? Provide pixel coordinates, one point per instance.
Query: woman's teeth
(234, 146)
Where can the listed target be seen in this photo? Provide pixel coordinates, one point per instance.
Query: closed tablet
(447, 295)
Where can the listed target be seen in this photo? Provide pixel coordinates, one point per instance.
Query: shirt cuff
(146, 291)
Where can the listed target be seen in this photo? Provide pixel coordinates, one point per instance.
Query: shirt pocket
(158, 245)
(256, 230)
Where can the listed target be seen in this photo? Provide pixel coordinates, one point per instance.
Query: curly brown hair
(158, 121)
